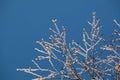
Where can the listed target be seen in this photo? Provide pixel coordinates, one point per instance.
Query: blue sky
(23, 22)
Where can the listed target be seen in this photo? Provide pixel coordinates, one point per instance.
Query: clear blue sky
(23, 22)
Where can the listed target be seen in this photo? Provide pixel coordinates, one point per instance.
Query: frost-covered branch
(116, 23)
(54, 50)
(113, 60)
(71, 61)
(89, 51)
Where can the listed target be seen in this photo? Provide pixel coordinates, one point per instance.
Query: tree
(72, 61)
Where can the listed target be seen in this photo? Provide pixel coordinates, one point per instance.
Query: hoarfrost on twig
(70, 62)
(113, 60)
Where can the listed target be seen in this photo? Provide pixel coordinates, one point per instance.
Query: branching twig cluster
(113, 60)
(70, 61)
